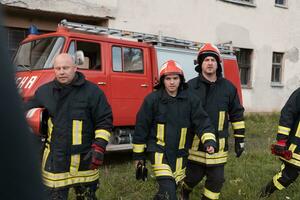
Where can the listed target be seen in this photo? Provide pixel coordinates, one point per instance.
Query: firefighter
(221, 102)
(79, 127)
(163, 129)
(288, 136)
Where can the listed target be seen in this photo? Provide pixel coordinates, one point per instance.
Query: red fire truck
(123, 64)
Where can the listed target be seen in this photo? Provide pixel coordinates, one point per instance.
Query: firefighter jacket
(79, 116)
(221, 102)
(289, 127)
(163, 128)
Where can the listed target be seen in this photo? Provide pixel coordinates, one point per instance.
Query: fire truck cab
(123, 64)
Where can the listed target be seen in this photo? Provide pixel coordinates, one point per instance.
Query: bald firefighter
(221, 102)
(163, 129)
(79, 126)
(287, 146)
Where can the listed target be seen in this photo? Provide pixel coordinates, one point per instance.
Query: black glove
(239, 146)
(97, 155)
(141, 171)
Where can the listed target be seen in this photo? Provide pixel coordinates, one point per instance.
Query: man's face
(171, 83)
(209, 65)
(64, 69)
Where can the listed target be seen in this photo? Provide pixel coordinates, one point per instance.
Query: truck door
(130, 80)
(93, 67)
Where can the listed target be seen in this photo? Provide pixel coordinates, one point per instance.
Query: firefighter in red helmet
(163, 129)
(221, 102)
(288, 146)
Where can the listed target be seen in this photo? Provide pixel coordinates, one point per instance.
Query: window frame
(242, 2)
(242, 64)
(123, 60)
(280, 64)
(284, 5)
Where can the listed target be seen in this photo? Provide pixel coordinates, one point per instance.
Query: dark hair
(182, 86)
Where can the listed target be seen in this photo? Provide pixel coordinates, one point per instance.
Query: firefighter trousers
(83, 192)
(214, 180)
(286, 176)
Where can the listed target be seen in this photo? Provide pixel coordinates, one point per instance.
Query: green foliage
(245, 176)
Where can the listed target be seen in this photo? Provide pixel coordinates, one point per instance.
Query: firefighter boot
(267, 190)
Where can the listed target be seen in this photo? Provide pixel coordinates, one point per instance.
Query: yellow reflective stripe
(239, 136)
(292, 147)
(179, 175)
(50, 129)
(221, 120)
(207, 136)
(75, 162)
(158, 158)
(284, 130)
(77, 132)
(208, 156)
(182, 138)
(178, 164)
(196, 142)
(221, 144)
(160, 134)
(162, 170)
(45, 155)
(103, 134)
(238, 125)
(210, 159)
(211, 195)
(298, 131)
(138, 148)
(276, 177)
(64, 179)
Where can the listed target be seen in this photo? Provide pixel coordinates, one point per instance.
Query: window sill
(281, 6)
(241, 3)
(246, 87)
(276, 84)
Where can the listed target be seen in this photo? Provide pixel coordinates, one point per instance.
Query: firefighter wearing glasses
(79, 126)
(221, 102)
(288, 141)
(163, 129)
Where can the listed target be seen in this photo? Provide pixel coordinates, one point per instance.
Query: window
(244, 62)
(281, 3)
(127, 59)
(243, 2)
(276, 67)
(15, 36)
(91, 51)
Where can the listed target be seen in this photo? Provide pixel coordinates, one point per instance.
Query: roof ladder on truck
(225, 48)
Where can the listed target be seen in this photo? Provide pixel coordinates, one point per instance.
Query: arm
(142, 129)
(236, 116)
(289, 114)
(203, 127)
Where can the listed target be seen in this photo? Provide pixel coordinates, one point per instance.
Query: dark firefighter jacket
(79, 115)
(289, 127)
(221, 102)
(164, 126)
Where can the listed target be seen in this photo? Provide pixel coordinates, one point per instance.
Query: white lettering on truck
(26, 82)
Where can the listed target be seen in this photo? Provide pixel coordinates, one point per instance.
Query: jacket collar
(165, 97)
(78, 80)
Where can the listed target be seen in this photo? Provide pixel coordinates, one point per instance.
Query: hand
(239, 148)
(138, 162)
(210, 149)
(141, 171)
(97, 156)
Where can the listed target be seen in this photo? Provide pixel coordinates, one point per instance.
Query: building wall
(265, 28)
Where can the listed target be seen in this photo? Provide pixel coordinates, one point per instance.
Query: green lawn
(244, 176)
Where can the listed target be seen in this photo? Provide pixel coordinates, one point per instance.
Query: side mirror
(79, 57)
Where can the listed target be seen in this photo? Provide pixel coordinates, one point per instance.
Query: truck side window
(92, 54)
(127, 59)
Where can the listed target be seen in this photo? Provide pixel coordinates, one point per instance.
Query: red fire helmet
(170, 67)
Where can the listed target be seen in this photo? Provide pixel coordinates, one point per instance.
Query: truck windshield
(38, 54)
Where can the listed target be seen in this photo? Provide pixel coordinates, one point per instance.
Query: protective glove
(281, 149)
(239, 146)
(97, 155)
(141, 170)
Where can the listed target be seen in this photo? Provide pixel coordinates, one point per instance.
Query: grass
(244, 176)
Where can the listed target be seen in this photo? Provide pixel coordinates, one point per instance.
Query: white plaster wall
(264, 28)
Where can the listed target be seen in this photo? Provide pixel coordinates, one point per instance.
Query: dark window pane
(133, 60)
